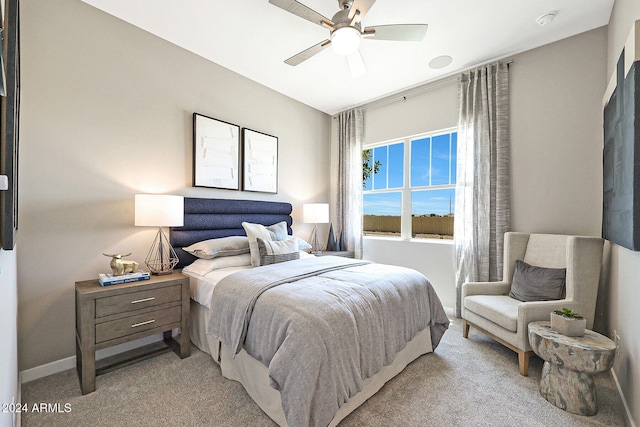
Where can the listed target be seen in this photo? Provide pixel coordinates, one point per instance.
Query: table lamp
(160, 210)
(315, 213)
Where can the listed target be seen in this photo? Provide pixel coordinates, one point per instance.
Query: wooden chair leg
(523, 362)
(465, 329)
(523, 356)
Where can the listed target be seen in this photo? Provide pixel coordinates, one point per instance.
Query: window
(409, 186)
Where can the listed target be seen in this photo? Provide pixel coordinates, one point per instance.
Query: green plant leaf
(567, 312)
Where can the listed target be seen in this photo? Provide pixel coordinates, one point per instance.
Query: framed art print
(260, 161)
(216, 153)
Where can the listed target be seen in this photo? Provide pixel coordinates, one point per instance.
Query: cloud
(382, 204)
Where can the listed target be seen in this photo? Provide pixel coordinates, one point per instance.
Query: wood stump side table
(570, 364)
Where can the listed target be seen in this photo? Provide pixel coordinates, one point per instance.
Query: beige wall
(624, 277)
(106, 113)
(556, 136)
(432, 109)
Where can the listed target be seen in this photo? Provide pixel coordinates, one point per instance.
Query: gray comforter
(323, 325)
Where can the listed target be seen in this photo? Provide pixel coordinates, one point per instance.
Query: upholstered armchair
(487, 306)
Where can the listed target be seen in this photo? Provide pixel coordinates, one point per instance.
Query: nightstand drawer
(138, 323)
(136, 300)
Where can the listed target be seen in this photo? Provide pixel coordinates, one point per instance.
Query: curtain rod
(402, 95)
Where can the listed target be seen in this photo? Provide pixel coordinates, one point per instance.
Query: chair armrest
(485, 288)
(535, 311)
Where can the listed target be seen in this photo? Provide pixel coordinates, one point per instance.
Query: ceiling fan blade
(308, 53)
(360, 7)
(356, 65)
(298, 9)
(400, 32)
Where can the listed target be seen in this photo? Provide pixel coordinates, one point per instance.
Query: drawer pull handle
(135, 325)
(143, 300)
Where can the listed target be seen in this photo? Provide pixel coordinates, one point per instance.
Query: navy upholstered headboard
(214, 218)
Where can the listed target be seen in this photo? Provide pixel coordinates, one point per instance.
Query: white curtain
(482, 213)
(349, 198)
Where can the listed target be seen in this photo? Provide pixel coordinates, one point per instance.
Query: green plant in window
(367, 167)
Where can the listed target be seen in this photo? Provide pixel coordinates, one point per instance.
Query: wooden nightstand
(346, 254)
(110, 315)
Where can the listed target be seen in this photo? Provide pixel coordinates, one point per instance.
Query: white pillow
(225, 246)
(276, 251)
(303, 245)
(276, 232)
(204, 266)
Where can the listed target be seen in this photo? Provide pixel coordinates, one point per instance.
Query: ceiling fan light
(345, 40)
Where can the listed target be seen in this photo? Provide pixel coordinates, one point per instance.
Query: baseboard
(629, 418)
(70, 362)
(47, 369)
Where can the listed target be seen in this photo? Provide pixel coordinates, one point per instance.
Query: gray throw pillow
(273, 252)
(221, 247)
(531, 283)
(276, 232)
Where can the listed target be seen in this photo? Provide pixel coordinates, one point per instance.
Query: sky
(433, 163)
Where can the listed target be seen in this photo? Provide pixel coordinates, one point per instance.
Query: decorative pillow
(303, 245)
(279, 231)
(276, 232)
(532, 283)
(225, 246)
(273, 252)
(204, 266)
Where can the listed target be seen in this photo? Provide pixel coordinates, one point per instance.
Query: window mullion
(405, 222)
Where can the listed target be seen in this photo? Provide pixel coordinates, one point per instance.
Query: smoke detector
(545, 19)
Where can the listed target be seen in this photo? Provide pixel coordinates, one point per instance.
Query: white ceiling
(253, 38)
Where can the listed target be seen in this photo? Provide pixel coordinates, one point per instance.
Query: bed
(310, 338)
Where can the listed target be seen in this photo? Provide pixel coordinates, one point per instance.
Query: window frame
(406, 189)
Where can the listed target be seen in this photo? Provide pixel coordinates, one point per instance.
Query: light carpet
(465, 382)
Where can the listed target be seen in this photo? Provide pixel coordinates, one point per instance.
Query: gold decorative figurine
(121, 266)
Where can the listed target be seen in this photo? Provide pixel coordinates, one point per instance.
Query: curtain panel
(482, 213)
(349, 197)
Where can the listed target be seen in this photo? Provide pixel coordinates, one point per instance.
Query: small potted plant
(568, 322)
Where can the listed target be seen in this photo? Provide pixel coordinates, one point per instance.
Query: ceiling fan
(346, 31)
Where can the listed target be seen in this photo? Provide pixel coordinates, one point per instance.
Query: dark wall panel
(621, 160)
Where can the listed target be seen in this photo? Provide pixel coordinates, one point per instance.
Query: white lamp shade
(315, 213)
(159, 210)
(345, 40)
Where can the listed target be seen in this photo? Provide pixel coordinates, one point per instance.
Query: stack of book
(107, 279)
